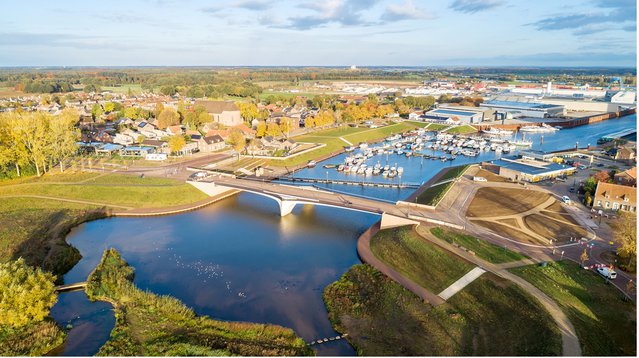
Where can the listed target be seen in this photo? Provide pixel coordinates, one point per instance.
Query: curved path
(365, 253)
(570, 341)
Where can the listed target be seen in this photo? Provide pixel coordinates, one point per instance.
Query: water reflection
(237, 260)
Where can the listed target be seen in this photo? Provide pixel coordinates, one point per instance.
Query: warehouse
(463, 114)
(521, 169)
(526, 109)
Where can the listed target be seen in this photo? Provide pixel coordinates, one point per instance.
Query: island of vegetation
(152, 325)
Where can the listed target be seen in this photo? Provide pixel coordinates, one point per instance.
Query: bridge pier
(286, 206)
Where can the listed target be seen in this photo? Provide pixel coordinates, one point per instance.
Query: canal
(239, 260)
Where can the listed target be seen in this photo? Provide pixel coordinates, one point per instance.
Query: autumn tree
(248, 111)
(176, 143)
(625, 234)
(261, 129)
(27, 294)
(602, 176)
(168, 117)
(584, 257)
(273, 130)
(237, 141)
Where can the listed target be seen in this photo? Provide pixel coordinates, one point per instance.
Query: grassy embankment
(483, 249)
(490, 316)
(605, 321)
(152, 325)
(35, 228)
(333, 143)
(435, 193)
(463, 129)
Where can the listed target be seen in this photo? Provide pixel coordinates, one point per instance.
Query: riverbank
(150, 325)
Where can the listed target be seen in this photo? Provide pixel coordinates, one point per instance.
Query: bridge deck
(71, 286)
(351, 182)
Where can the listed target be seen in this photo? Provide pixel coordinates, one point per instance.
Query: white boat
(369, 171)
(340, 167)
(400, 170)
(363, 145)
(543, 128)
(311, 164)
(499, 132)
(376, 171)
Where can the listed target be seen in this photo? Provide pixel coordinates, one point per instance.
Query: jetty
(398, 185)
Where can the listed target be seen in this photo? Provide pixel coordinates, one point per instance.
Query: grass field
(36, 339)
(436, 127)
(435, 193)
(426, 264)
(152, 325)
(331, 137)
(483, 249)
(504, 201)
(490, 317)
(287, 95)
(463, 129)
(113, 189)
(135, 88)
(604, 320)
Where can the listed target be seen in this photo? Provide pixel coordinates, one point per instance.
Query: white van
(479, 179)
(566, 199)
(607, 272)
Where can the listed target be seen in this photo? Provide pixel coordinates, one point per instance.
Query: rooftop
(525, 105)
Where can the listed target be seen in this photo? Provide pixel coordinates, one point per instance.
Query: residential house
(121, 138)
(268, 145)
(615, 197)
(158, 145)
(625, 154)
(174, 130)
(628, 177)
(211, 143)
(224, 112)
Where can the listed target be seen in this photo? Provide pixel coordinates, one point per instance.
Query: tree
(27, 293)
(602, 176)
(261, 129)
(96, 111)
(584, 257)
(248, 111)
(131, 113)
(590, 185)
(168, 117)
(237, 141)
(176, 143)
(625, 234)
(273, 130)
(64, 136)
(286, 124)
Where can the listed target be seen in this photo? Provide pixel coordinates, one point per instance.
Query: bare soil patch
(504, 201)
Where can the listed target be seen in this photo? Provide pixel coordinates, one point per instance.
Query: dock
(399, 184)
(620, 134)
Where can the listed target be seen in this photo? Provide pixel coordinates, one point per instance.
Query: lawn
(151, 325)
(379, 133)
(35, 229)
(435, 193)
(426, 264)
(135, 88)
(436, 127)
(463, 129)
(483, 249)
(114, 189)
(287, 95)
(504, 201)
(490, 317)
(604, 320)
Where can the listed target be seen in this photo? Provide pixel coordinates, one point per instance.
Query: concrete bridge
(288, 196)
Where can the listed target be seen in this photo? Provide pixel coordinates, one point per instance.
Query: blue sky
(327, 32)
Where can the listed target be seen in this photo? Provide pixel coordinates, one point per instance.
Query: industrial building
(525, 109)
(527, 170)
(469, 115)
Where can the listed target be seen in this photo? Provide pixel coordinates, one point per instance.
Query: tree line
(37, 140)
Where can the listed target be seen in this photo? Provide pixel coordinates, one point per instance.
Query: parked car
(607, 272)
(572, 189)
(479, 179)
(566, 199)
(600, 165)
(198, 176)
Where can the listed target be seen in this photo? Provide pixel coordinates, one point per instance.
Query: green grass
(490, 317)
(483, 249)
(35, 229)
(152, 325)
(435, 193)
(135, 88)
(123, 190)
(36, 339)
(379, 133)
(426, 264)
(463, 129)
(286, 95)
(604, 320)
(437, 127)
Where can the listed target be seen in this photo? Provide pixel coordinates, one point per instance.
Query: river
(239, 260)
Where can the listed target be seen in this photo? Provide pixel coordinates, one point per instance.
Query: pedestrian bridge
(289, 196)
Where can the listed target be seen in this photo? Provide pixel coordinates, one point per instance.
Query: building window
(607, 204)
(599, 203)
(615, 206)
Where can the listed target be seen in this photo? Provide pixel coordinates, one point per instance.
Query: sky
(321, 33)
